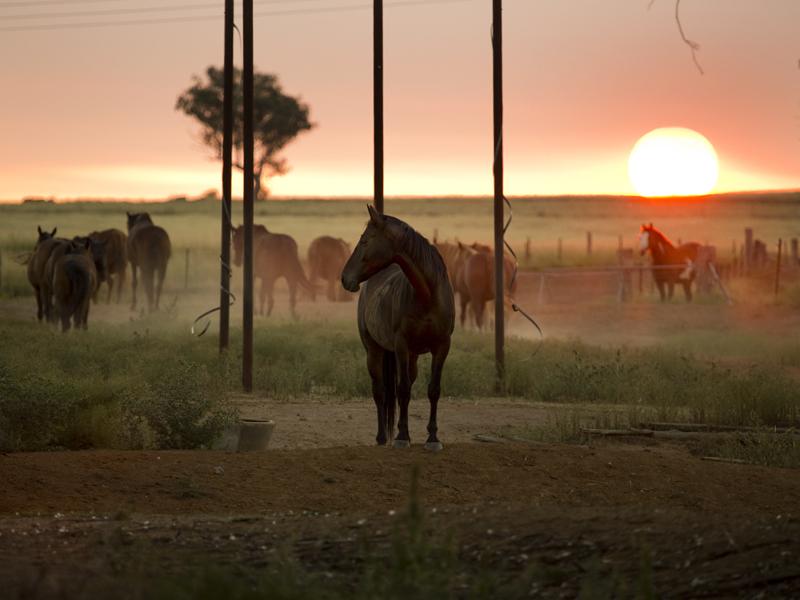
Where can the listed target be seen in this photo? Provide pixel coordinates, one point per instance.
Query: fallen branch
(737, 461)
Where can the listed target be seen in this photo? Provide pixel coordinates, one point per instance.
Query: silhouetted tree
(277, 119)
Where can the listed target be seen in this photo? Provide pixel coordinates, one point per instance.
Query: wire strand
(199, 18)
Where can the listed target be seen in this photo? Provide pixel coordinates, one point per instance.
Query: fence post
(778, 269)
(620, 244)
(588, 243)
(527, 250)
(560, 251)
(748, 248)
(186, 272)
(795, 255)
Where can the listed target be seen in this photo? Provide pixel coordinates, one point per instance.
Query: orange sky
(89, 112)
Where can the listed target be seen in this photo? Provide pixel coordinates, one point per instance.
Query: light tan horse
(326, 258)
(275, 255)
(36, 268)
(479, 281)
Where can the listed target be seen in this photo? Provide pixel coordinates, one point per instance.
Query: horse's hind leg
(162, 272)
(39, 311)
(376, 373)
(148, 274)
(464, 301)
(671, 289)
(687, 290)
(292, 296)
(403, 440)
(120, 284)
(134, 282)
(434, 391)
(660, 285)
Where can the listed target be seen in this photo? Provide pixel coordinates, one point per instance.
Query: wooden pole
(778, 268)
(528, 250)
(795, 253)
(588, 243)
(499, 304)
(227, 160)
(377, 84)
(247, 93)
(560, 251)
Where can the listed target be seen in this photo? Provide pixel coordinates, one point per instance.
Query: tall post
(778, 269)
(499, 306)
(227, 160)
(247, 90)
(377, 85)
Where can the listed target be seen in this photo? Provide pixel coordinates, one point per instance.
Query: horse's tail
(390, 390)
(300, 275)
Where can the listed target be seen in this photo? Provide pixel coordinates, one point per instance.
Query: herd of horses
(406, 305)
(66, 274)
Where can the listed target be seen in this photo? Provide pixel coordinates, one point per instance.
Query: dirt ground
(74, 523)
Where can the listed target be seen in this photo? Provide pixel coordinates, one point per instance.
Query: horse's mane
(652, 229)
(419, 249)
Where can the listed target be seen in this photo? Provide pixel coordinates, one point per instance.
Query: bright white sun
(673, 161)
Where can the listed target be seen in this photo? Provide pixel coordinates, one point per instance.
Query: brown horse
(116, 246)
(74, 283)
(326, 258)
(664, 253)
(477, 277)
(36, 267)
(274, 256)
(405, 309)
(149, 249)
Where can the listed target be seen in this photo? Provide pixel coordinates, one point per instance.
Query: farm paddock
(537, 508)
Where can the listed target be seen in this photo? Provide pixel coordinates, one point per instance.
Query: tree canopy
(277, 119)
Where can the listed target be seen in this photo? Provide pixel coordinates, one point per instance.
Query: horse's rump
(149, 247)
(116, 248)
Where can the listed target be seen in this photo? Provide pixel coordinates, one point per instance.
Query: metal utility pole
(377, 84)
(499, 306)
(227, 159)
(247, 89)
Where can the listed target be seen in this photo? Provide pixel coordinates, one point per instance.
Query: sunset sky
(90, 111)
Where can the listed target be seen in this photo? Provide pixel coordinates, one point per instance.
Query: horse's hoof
(434, 446)
(401, 444)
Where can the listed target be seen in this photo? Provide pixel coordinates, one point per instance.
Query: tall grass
(93, 388)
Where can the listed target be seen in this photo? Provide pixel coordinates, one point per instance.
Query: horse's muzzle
(351, 285)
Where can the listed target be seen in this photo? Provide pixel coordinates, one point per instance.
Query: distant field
(718, 220)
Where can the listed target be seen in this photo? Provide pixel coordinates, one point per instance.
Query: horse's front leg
(375, 368)
(671, 289)
(687, 290)
(434, 391)
(403, 440)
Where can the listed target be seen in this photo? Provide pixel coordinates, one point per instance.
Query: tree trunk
(257, 186)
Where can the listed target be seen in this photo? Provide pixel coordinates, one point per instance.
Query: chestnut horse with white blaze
(664, 254)
(405, 309)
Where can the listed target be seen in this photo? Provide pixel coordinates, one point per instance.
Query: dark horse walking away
(149, 249)
(682, 258)
(274, 256)
(405, 309)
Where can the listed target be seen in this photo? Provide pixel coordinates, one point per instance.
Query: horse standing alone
(149, 249)
(665, 254)
(326, 258)
(405, 309)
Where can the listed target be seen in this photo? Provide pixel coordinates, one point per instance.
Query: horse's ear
(87, 243)
(54, 231)
(375, 216)
(39, 229)
(127, 213)
(651, 226)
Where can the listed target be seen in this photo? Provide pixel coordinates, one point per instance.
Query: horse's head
(645, 238)
(237, 239)
(374, 251)
(97, 250)
(45, 235)
(137, 218)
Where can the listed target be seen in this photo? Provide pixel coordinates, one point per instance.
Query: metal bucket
(248, 435)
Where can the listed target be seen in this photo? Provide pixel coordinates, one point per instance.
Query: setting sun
(673, 161)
